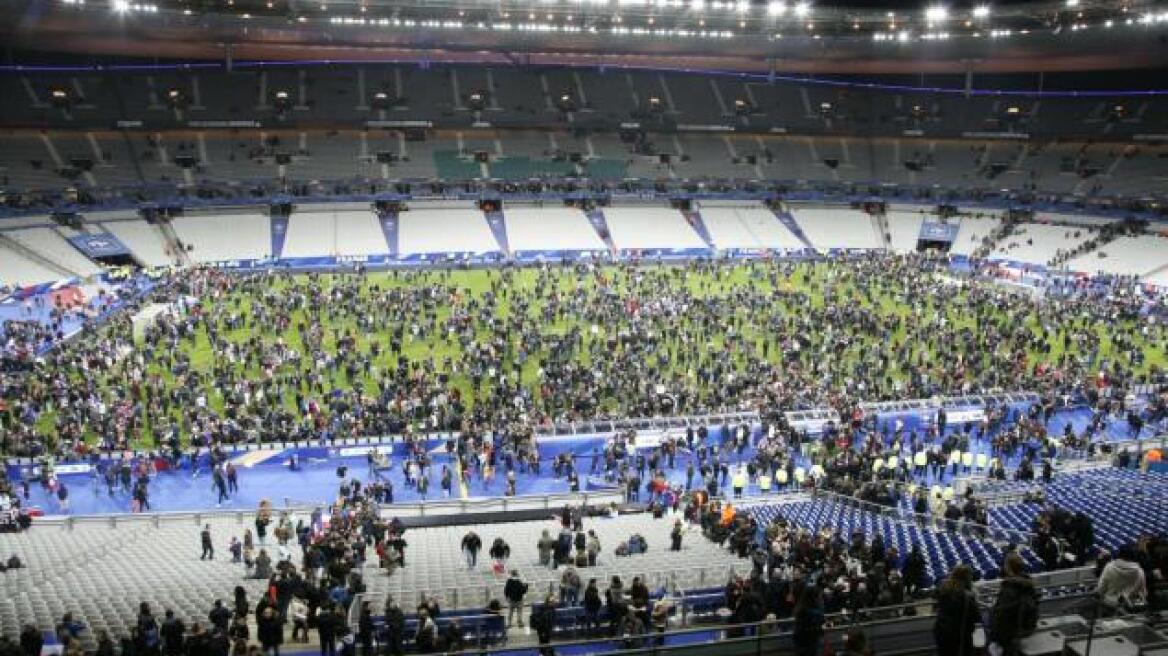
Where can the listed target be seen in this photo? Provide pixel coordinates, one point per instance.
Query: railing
(448, 508)
(653, 423)
(581, 428)
(974, 400)
(549, 502)
(888, 628)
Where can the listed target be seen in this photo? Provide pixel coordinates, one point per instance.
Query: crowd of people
(276, 356)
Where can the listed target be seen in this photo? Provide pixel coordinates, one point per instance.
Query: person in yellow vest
(764, 483)
(781, 478)
(920, 462)
(739, 482)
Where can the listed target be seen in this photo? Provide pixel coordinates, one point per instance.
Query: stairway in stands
(174, 246)
(792, 225)
(499, 228)
(600, 224)
(695, 221)
(279, 229)
(880, 227)
(390, 227)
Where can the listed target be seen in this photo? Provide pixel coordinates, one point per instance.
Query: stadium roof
(756, 35)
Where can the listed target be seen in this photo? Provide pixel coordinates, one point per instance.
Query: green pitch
(790, 293)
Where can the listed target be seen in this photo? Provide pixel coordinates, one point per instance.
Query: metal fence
(901, 629)
(436, 508)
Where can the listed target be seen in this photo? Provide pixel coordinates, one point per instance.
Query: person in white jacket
(1122, 583)
(298, 611)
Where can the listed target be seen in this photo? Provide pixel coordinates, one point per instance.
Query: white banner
(352, 451)
(964, 416)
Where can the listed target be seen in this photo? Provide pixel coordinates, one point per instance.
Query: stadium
(531, 327)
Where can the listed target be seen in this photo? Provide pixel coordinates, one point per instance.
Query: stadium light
(776, 9)
(936, 14)
(697, 5)
(1072, 3)
(120, 6)
(981, 12)
(802, 9)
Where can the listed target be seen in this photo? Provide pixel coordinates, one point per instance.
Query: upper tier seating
(340, 93)
(649, 227)
(837, 228)
(225, 237)
(348, 156)
(315, 234)
(550, 229)
(452, 230)
(747, 227)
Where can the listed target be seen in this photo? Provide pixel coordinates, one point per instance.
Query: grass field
(913, 317)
